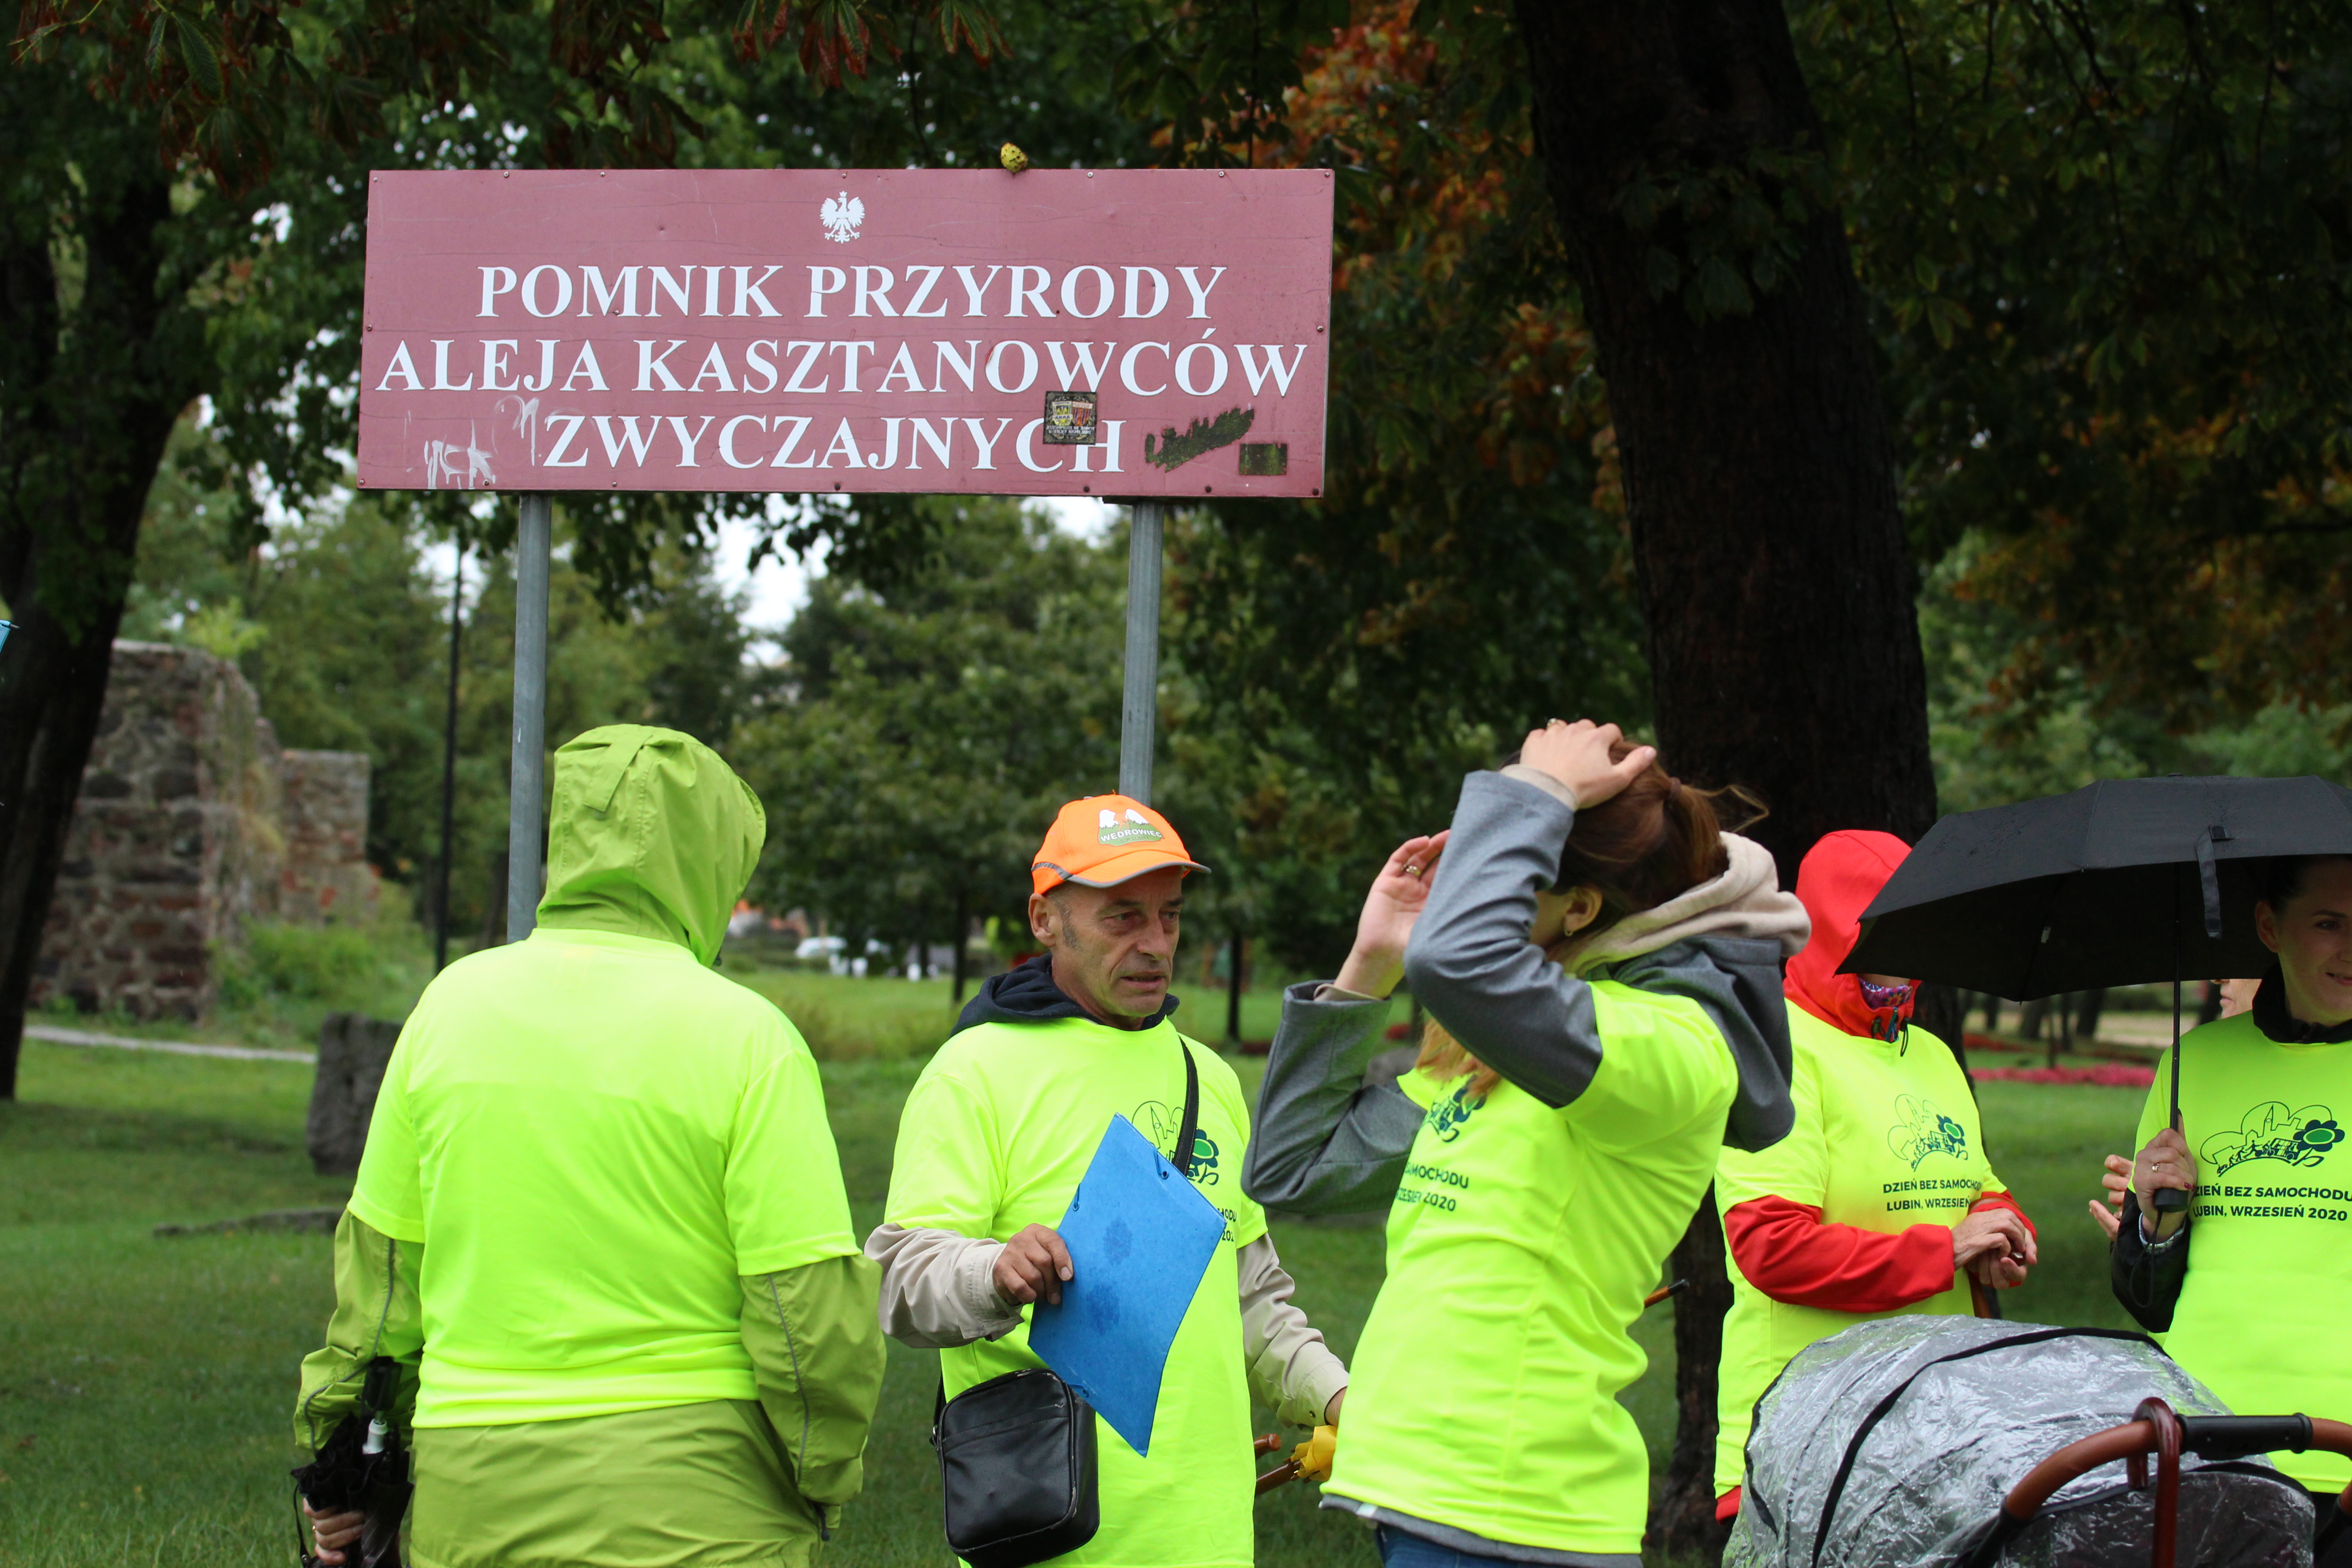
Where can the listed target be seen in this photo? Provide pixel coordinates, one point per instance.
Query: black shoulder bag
(1017, 1452)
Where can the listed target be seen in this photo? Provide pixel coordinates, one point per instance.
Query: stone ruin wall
(190, 822)
(323, 871)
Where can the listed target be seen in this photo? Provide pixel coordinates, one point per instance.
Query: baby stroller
(1934, 1442)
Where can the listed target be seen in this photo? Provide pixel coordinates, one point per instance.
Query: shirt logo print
(1920, 1130)
(2272, 1131)
(1158, 1123)
(1446, 1117)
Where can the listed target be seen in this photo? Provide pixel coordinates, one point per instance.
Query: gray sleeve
(1323, 1141)
(1470, 963)
(938, 1288)
(2147, 1276)
(1290, 1367)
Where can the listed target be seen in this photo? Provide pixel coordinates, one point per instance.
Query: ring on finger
(1412, 870)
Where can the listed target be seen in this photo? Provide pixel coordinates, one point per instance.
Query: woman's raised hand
(1398, 896)
(2117, 1181)
(1578, 756)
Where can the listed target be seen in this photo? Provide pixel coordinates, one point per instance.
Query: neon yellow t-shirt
(1484, 1392)
(2263, 1318)
(594, 1136)
(995, 1137)
(1886, 1137)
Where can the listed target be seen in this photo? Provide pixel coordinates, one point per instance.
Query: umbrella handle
(2173, 1200)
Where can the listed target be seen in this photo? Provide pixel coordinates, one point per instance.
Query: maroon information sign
(1136, 333)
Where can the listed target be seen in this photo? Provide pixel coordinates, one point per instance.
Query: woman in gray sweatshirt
(1603, 964)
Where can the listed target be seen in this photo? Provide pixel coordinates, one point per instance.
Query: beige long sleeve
(1290, 1367)
(938, 1288)
(939, 1291)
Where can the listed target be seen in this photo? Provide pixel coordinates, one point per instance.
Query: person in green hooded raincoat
(600, 1220)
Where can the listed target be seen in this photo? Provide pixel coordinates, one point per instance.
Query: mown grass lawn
(144, 1382)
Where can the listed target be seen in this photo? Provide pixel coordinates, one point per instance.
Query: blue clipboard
(1140, 1235)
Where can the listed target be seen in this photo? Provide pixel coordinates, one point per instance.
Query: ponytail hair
(1650, 842)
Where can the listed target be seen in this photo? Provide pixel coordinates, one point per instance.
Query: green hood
(650, 834)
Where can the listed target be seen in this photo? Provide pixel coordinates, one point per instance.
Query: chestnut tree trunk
(95, 366)
(1685, 162)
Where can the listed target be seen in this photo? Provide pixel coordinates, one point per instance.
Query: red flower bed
(2113, 1075)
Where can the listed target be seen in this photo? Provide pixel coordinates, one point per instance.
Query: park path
(58, 1037)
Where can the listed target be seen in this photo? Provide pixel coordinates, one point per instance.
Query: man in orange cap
(1002, 1125)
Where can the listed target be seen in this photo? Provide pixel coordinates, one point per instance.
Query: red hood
(1835, 883)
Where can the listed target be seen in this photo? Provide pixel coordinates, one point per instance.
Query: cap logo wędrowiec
(1136, 829)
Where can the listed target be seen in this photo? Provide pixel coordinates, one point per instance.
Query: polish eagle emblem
(842, 214)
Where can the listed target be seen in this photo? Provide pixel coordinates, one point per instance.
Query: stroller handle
(2155, 1429)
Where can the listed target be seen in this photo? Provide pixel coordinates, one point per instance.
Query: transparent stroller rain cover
(1891, 1446)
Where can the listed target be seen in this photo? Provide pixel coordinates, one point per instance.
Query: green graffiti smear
(1172, 451)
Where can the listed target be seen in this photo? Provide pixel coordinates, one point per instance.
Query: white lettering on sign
(571, 424)
(810, 365)
(1087, 289)
(1199, 291)
(586, 365)
(531, 290)
(930, 276)
(747, 293)
(783, 459)
(402, 366)
(1067, 375)
(625, 288)
(727, 439)
(1272, 367)
(801, 367)
(441, 382)
(974, 293)
(494, 364)
(1185, 371)
(874, 286)
(638, 445)
(1158, 291)
(1127, 370)
(650, 364)
(1191, 304)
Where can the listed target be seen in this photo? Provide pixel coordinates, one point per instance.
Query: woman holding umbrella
(1880, 1201)
(2259, 1313)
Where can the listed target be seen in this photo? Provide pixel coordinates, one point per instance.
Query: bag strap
(1190, 1128)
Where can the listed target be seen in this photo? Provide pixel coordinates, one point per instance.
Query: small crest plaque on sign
(1069, 419)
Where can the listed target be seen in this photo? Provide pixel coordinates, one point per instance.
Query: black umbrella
(2119, 883)
(363, 1468)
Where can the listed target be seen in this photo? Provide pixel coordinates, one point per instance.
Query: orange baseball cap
(1104, 840)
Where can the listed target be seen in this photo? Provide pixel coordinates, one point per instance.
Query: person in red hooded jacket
(1880, 1200)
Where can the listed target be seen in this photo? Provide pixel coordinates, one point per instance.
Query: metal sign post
(1138, 708)
(527, 767)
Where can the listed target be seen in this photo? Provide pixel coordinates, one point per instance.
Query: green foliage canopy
(2110, 250)
(924, 735)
